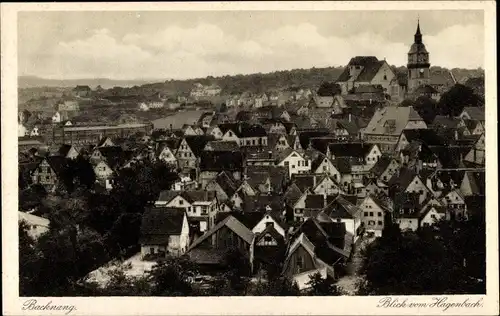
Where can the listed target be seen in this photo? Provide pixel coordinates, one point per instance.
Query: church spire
(418, 35)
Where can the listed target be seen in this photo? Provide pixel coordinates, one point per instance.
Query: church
(364, 71)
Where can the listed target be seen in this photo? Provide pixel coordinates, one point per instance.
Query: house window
(300, 263)
(366, 213)
(371, 213)
(379, 214)
(324, 168)
(306, 163)
(385, 77)
(293, 166)
(268, 239)
(181, 202)
(286, 163)
(379, 222)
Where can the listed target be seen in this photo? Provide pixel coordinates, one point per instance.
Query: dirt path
(348, 283)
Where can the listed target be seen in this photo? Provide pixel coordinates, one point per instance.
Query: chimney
(350, 117)
(171, 127)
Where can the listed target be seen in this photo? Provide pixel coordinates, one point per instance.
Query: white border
(232, 305)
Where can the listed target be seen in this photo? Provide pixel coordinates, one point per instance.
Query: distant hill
(236, 84)
(37, 82)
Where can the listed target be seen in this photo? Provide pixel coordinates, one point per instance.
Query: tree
(430, 261)
(280, 286)
(426, 108)
(170, 277)
(328, 89)
(459, 96)
(238, 271)
(320, 286)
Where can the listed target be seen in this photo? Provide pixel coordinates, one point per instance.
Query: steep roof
(244, 130)
(450, 156)
(198, 195)
(159, 223)
(475, 113)
(370, 65)
(306, 136)
(197, 143)
(226, 183)
(248, 219)
(381, 165)
(221, 145)
(445, 121)
(221, 160)
(167, 195)
(403, 178)
(352, 149)
(342, 208)
(315, 201)
(292, 194)
(304, 181)
(391, 120)
(233, 224)
(426, 136)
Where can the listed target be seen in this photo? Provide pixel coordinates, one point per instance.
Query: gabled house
(164, 232)
(367, 153)
(214, 131)
(213, 162)
(408, 181)
(104, 174)
(190, 149)
(327, 186)
(473, 183)
(223, 185)
(477, 153)
(49, 171)
(365, 70)
(425, 136)
(221, 146)
(474, 127)
(36, 225)
(473, 113)
(384, 169)
(201, 207)
(269, 246)
(316, 247)
(247, 135)
(105, 142)
(166, 155)
(339, 209)
(373, 214)
(388, 123)
(454, 202)
(227, 234)
(407, 210)
(68, 151)
(295, 162)
(431, 214)
(324, 165)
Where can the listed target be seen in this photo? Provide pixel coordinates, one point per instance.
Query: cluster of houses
(293, 187)
(296, 185)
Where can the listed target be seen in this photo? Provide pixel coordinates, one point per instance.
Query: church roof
(370, 64)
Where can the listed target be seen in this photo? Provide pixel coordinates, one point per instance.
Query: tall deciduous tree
(459, 96)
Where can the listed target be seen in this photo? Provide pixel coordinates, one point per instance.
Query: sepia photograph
(252, 153)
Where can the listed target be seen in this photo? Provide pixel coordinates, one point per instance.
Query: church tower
(418, 63)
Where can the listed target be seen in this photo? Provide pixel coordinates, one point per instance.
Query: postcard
(249, 158)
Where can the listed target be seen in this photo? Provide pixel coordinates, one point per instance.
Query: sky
(192, 44)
